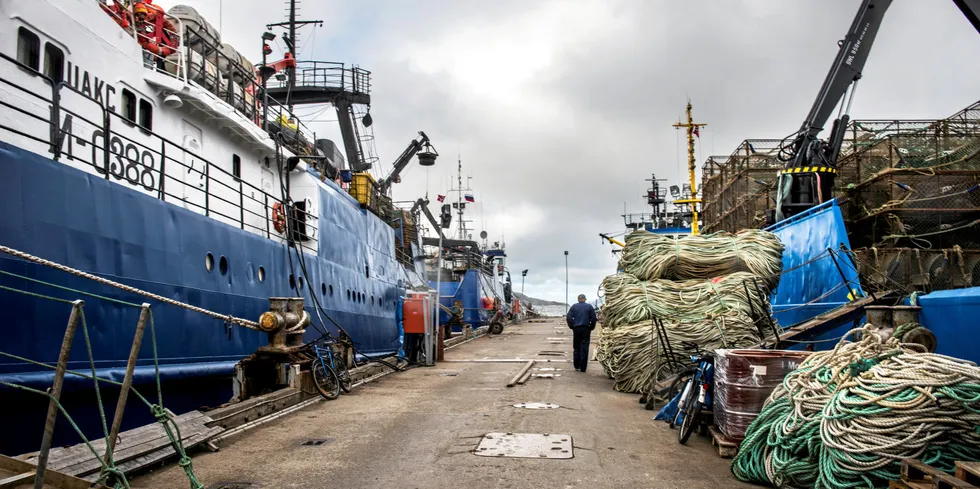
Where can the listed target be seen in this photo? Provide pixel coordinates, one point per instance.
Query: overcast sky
(561, 109)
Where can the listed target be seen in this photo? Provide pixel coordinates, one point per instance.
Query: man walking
(581, 320)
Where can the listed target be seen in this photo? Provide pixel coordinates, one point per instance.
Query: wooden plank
(916, 471)
(51, 478)
(17, 480)
(969, 472)
(63, 457)
(724, 446)
(151, 458)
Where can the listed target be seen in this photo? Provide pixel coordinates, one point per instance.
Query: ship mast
(692, 130)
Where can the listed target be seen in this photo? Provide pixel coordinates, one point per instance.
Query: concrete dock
(418, 429)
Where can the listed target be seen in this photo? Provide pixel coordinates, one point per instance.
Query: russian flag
(469, 198)
(441, 198)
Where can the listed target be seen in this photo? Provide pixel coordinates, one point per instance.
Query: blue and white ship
(137, 147)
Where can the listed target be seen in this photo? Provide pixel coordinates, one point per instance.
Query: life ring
(279, 217)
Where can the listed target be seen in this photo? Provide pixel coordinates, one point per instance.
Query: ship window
(146, 115)
(323, 288)
(331, 290)
(223, 265)
(302, 285)
(348, 294)
(128, 106)
(261, 274)
(236, 166)
(372, 300)
(209, 262)
(28, 48)
(54, 63)
(292, 281)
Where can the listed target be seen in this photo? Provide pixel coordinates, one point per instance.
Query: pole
(566, 281)
(522, 285)
(691, 126)
(265, 93)
(429, 350)
(127, 383)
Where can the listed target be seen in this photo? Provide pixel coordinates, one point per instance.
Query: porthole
(348, 294)
(302, 284)
(361, 296)
(209, 262)
(262, 274)
(372, 300)
(331, 290)
(323, 289)
(223, 265)
(292, 281)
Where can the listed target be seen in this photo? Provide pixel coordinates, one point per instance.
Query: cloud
(560, 110)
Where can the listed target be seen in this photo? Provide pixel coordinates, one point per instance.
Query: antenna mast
(692, 130)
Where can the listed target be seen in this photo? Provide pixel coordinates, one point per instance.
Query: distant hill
(537, 302)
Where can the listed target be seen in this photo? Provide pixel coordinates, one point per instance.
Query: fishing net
(650, 256)
(847, 417)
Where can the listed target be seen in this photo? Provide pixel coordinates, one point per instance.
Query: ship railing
(135, 156)
(328, 74)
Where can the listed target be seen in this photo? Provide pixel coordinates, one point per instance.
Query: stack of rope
(649, 256)
(696, 286)
(847, 417)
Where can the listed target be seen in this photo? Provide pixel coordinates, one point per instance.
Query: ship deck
(419, 429)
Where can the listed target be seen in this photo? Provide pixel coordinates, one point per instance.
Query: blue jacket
(581, 314)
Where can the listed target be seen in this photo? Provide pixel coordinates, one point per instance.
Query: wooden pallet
(18, 473)
(725, 446)
(918, 475)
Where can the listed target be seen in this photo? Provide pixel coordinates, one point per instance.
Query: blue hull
(86, 222)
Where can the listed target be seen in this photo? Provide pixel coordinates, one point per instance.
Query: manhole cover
(525, 445)
(234, 485)
(546, 376)
(317, 442)
(537, 405)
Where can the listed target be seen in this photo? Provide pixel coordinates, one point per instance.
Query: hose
(650, 256)
(847, 417)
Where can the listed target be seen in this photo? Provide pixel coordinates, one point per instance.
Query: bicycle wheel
(692, 415)
(343, 374)
(326, 380)
(682, 402)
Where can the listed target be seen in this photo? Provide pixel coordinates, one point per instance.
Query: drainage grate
(537, 405)
(234, 485)
(317, 442)
(525, 445)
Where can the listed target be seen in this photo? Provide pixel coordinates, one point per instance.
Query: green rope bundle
(847, 417)
(650, 256)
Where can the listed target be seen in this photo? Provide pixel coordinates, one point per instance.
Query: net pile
(847, 417)
(698, 287)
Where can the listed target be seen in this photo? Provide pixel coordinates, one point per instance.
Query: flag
(441, 198)
(696, 132)
(469, 198)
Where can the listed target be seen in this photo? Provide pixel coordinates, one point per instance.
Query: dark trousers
(580, 347)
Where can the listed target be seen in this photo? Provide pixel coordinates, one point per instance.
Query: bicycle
(330, 376)
(697, 394)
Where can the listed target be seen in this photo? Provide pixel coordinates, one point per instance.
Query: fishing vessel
(137, 147)
(474, 283)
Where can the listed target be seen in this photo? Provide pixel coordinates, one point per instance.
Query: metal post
(126, 383)
(265, 93)
(566, 281)
(59, 377)
(430, 331)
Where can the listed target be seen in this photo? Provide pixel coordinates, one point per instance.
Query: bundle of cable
(650, 256)
(630, 301)
(847, 417)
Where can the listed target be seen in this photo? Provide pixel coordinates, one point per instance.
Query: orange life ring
(279, 217)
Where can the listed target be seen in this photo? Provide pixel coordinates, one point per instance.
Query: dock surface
(419, 428)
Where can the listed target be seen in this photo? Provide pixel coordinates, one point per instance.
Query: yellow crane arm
(612, 240)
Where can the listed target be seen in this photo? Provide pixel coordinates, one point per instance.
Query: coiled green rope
(847, 417)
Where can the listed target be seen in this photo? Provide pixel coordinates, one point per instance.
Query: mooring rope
(166, 300)
(847, 417)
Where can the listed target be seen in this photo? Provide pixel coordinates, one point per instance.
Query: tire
(496, 328)
(325, 380)
(343, 375)
(691, 416)
(682, 402)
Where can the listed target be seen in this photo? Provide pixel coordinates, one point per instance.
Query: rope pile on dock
(847, 417)
(697, 287)
(649, 256)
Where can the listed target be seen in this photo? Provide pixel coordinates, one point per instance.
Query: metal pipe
(520, 374)
(127, 382)
(59, 377)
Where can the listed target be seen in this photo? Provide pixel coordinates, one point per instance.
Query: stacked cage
(739, 189)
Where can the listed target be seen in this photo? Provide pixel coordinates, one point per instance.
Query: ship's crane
(424, 205)
(810, 163)
(426, 158)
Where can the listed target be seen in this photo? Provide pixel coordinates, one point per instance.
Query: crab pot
(427, 159)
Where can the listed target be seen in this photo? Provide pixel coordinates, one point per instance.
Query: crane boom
(404, 159)
(808, 177)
